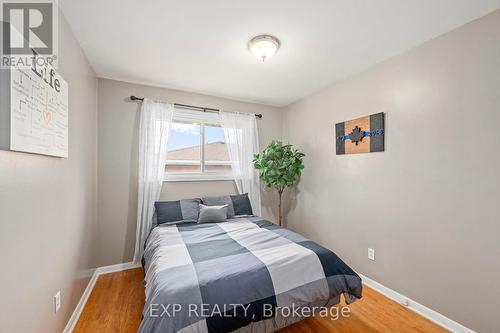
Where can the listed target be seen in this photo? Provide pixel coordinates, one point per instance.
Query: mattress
(246, 274)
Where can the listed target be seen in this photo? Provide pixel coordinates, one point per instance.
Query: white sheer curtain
(156, 118)
(242, 141)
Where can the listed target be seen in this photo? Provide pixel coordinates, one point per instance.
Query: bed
(240, 275)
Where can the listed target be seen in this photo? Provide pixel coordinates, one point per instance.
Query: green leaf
(279, 165)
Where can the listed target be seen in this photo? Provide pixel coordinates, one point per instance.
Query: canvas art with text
(361, 135)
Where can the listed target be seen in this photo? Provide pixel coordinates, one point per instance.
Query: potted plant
(279, 166)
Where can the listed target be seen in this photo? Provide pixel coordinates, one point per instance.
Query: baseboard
(422, 310)
(70, 325)
(117, 268)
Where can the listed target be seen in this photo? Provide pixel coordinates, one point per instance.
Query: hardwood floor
(115, 304)
(117, 300)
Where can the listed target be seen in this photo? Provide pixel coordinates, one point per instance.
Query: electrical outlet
(57, 301)
(371, 254)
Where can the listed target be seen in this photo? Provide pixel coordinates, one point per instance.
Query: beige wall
(117, 161)
(429, 204)
(182, 190)
(48, 211)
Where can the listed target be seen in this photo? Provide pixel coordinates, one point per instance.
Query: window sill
(196, 178)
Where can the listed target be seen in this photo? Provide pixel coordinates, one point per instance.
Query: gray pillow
(238, 205)
(212, 214)
(172, 212)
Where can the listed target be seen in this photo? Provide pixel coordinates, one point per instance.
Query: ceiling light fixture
(263, 47)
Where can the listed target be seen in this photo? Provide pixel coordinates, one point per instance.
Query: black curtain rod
(200, 108)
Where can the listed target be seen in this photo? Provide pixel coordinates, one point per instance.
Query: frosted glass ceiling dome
(263, 47)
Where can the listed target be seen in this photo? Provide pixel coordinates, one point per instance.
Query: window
(196, 148)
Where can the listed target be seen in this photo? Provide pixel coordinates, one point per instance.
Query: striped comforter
(237, 275)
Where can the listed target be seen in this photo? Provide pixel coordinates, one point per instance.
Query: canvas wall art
(362, 135)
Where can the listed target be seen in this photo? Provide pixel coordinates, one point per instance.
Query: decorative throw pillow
(172, 212)
(212, 214)
(238, 205)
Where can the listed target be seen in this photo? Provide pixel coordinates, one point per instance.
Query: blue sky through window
(188, 135)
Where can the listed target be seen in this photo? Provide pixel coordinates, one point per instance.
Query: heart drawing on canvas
(47, 117)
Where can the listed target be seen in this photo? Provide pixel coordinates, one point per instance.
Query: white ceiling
(201, 46)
